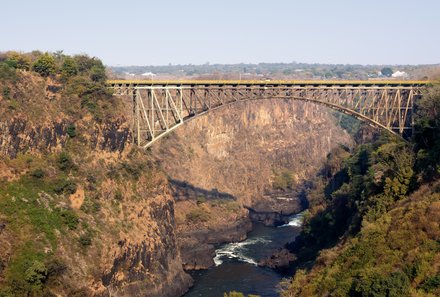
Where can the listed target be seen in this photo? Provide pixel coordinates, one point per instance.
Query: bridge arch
(159, 108)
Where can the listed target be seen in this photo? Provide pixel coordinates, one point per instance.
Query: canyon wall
(250, 159)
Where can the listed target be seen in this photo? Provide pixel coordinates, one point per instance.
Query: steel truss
(159, 109)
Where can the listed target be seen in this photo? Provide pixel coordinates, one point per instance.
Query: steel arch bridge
(159, 107)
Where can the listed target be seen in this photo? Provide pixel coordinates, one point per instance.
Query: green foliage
(426, 134)
(118, 195)
(348, 123)
(69, 68)
(432, 284)
(70, 219)
(387, 71)
(19, 61)
(7, 73)
(71, 130)
(28, 272)
(91, 206)
(283, 180)
(36, 274)
(6, 92)
(85, 240)
(64, 161)
(45, 65)
(197, 215)
(97, 73)
(63, 185)
(38, 173)
(20, 200)
(395, 285)
(201, 199)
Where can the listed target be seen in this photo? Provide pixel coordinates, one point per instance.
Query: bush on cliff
(371, 232)
(45, 65)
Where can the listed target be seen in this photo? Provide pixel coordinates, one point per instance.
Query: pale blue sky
(135, 32)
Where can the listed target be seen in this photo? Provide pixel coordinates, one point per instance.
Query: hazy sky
(135, 32)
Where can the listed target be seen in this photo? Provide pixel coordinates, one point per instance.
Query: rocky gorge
(124, 222)
(249, 161)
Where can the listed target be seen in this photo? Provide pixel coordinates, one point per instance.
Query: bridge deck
(403, 83)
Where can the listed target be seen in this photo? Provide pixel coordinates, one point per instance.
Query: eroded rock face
(149, 265)
(134, 249)
(18, 135)
(237, 151)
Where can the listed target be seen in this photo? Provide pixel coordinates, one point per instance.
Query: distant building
(399, 74)
(148, 74)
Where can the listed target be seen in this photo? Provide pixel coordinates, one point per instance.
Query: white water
(237, 250)
(294, 221)
(241, 251)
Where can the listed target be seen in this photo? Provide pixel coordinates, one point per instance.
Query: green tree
(19, 61)
(69, 68)
(36, 274)
(44, 65)
(97, 73)
(387, 71)
(427, 132)
(7, 72)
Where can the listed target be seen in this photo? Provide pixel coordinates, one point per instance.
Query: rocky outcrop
(148, 265)
(280, 260)
(17, 135)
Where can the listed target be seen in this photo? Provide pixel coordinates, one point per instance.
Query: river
(236, 263)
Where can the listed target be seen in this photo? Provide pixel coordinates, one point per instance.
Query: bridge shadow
(182, 190)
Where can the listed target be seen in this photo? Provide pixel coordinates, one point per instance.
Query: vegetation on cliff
(74, 207)
(373, 228)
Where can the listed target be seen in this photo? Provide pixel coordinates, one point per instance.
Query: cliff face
(116, 225)
(255, 155)
(75, 192)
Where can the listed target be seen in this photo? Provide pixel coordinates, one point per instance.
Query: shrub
(64, 161)
(71, 130)
(118, 195)
(6, 92)
(55, 268)
(431, 284)
(283, 180)
(197, 215)
(64, 186)
(38, 173)
(44, 65)
(19, 61)
(91, 206)
(36, 274)
(85, 240)
(7, 72)
(395, 285)
(69, 68)
(70, 219)
(201, 199)
(97, 73)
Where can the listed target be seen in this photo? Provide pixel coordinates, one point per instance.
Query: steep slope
(396, 255)
(82, 211)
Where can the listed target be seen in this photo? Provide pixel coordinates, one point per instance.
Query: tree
(19, 61)
(69, 68)
(387, 71)
(44, 65)
(97, 73)
(427, 131)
